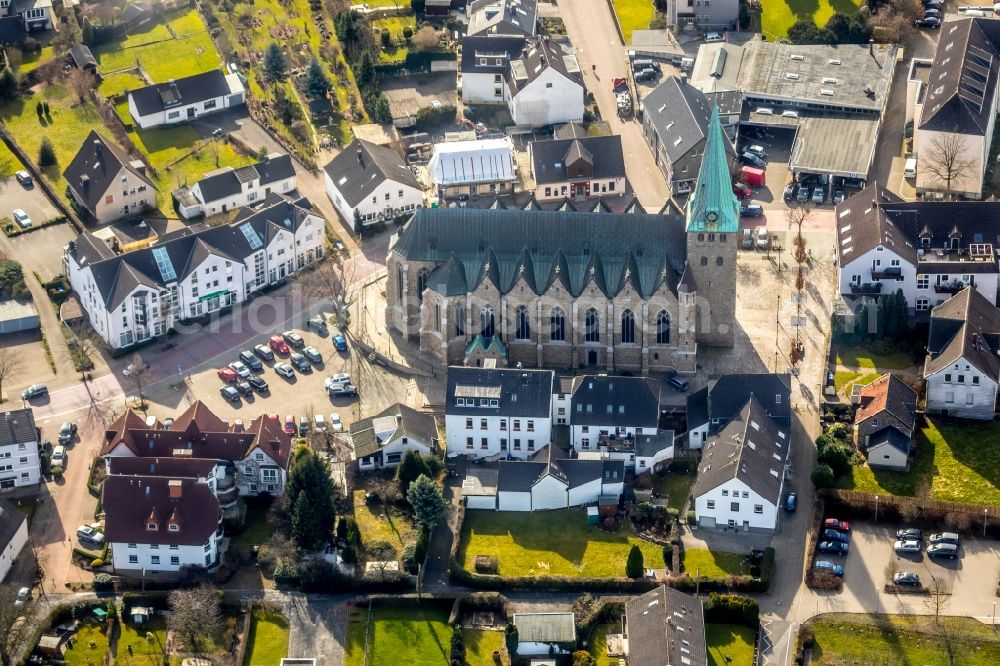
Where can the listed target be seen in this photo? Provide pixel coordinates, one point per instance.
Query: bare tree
(195, 613)
(938, 598)
(136, 372)
(81, 82)
(331, 278)
(425, 39)
(944, 158)
(11, 365)
(82, 344)
(11, 631)
(796, 217)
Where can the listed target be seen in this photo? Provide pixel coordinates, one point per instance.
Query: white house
(368, 183)
(544, 633)
(962, 369)
(13, 535)
(742, 473)
(382, 440)
(132, 297)
(156, 524)
(19, 464)
(497, 411)
(711, 408)
(485, 62)
(552, 483)
(473, 167)
(182, 100)
(106, 182)
(34, 14)
(228, 188)
(544, 86)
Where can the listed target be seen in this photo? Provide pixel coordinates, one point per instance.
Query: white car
(284, 370)
(319, 423)
(339, 378)
(906, 546)
(335, 423)
(712, 37)
(22, 218)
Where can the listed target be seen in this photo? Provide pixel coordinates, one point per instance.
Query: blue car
(833, 547)
(340, 342)
(791, 502)
(829, 567)
(834, 535)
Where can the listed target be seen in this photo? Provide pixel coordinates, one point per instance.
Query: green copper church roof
(712, 205)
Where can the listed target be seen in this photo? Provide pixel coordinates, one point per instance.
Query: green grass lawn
(729, 645)
(778, 15)
(710, 563)
(402, 632)
(256, 529)
(117, 84)
(676, 487)
(845, 379)
(878, 481)
(633, 15)
(8, 162)
(268, 640)
(394, 25)
(479, 646)
(864, 358)
(30, 61)
(550, 543)
(81, 652)
(844, 638)
(135, 635)
(598, 644)
(376, 524)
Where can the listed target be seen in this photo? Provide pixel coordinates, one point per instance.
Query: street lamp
(876, 508)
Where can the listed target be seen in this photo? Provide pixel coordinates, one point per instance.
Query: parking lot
(29, 199)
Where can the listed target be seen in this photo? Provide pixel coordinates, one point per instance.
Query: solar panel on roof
(163, 263)
(252, 238)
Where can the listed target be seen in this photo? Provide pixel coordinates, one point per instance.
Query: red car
(290, 427)
(834, 524)
(742, 191)
(227, 375)
(278, 344)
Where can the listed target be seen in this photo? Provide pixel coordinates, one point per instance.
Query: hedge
(928, 513)
(732, 609)
(12, 230)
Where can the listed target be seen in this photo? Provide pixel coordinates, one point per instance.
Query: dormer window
(173, 527)
(152, 527)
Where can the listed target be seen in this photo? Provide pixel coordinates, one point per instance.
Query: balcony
(867, 288)
(890, 273)
(950, 287)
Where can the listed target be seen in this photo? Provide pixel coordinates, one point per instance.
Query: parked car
(742, 191)
(34, 391)
(338, 378)
(713, 37)
(747, 242)
(258, 384)
(58, 458)
(833, 547)
(240, 369)
(303, 425)
(23, 597)
(944, 550)
(752, 210)
(317, 324)
(803, 194)
(313, 355)
(838, 197)
(829, 567)
(927, 22)
(757, 150)
(263, 352)
(907, 546)
(791, 502)
(909, 534)
(752, 160)
(300, 362)
(646, 75)
(244, 387)
(340, 342)
(66, 432)
(342, 389)
(88, 533)
(906, 578)
(819, 196)
(789, 192)
(277, 344)
(227, 374)
(763, 238)
(230, 393)
(319, 423)
(335, 423)
(289, 425)
(284, 370)
(944, 537)
(250, 359)
(834, 535)
(835, 524)
(679, 384)
(294, 339)
(24, 178)
(22, 218)
(932, 13)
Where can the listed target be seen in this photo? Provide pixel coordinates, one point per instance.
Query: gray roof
(577, 249)
(11, 30)
(647, 446)
(17, 427)
(697, 408)
(752, 448)
(538, 56)
(82, 56)
(665, 626)
(558, 627)
(406, 422)
(963, 79)
(518, 392)
(11, 519)
(188, 90)
(517, 476)
(965, 326)
(725, 396)
(892, 436)
(95, 168)
(602, 400)
(503, 17)
(522, 475)
(228, 181)
(497, 51)
(363, 166)
(549, 159)
(135, 11)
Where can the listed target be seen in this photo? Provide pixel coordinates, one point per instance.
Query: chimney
(176, 488)
(98, 148)
(361, 157)
(85, 182)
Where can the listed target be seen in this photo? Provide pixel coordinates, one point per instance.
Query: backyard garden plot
(148, 641)
(777, 16)
(633, 15)
(268, 639)
(729, 645)
(397, 50)
(8, 162)
(378, 522)
(31, 61)
(398, 632)
(712, 563)
(556, 543)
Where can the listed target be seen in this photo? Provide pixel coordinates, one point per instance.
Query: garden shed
(48, 646)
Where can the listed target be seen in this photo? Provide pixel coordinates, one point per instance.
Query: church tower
(713, 225)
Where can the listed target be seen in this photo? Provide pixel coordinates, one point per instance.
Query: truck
(752, 176)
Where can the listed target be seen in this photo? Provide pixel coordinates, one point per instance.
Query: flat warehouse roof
(834, 144)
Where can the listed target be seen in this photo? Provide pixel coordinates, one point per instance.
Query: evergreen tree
(804, 31)
(359, 226)
(418, 6)
(303, 523)
(365, 72)
(309, 484)
(275, 63)
(46, 154)
(409, 469)
(634, 564)
(822, 476)
(381, 113)
(87, 35)
(428, 504)
(8, 84)
(317, 84)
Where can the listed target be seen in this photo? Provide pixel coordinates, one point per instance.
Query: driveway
(317, 628)
(30, 199)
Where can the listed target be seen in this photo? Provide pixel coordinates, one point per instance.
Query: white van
(58, 458)
(910, 167)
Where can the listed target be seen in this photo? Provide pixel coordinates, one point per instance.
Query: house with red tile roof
(884, 420)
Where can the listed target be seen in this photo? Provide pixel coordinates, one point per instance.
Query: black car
(244, 387)
(752, 210)
(946, 550)
(906, 578)
(678, 383)
(293, 339)
(834, 547)
(313, 355)
(250, 360)
(909, 534)
(263, 352)
(752, 160)
(230, 393)
(789, 192)
(834, 535)
(928, 22)
(258, 384)
(300, 362)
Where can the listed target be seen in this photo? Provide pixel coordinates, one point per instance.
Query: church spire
(712, 205)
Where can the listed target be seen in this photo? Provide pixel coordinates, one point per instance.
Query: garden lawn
(710, 563)
(402, 632)
(964, 470)
(30, 61)
(864, 358)
(633, 15)
(557, 543)
(844, 638)
(81, 652)
(394, 25)
(268, 640)
(8, 162)
(256, 529)
(879, 481)
(479, 647)
(729, 644)
(676, 487)
(778, 15)
(375, 524)
(117, 84)
(844, 379)
(135, 635)
(598, 644)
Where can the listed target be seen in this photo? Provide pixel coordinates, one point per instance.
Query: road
(592, 30)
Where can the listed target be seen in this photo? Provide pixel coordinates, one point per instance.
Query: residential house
(19, 463)
(558, 483)
(255, 457)
(703, 15)
(132, 297)
(544, 86)
(182, 100)
(107, 183)
(577, 168)
(503, 18)
(13, 535)
(382, 440)
(156, 524)
(473, 167)
(485, 61)
(368, 183)
(218, 475)
(883, 422)
(955, 109)
(437, 7)
(11, 28)
(929, 250)
(962, 368)
(32, 14)
(742, 472)
(675, 119)
(228, 188)
(664, 626)
(498, 411)
(712, 408)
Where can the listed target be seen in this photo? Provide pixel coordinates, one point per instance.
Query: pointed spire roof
(712, 205)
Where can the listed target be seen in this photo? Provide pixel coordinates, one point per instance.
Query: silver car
(908, 546)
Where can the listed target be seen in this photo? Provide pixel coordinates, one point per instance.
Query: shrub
(97, 563)
(46, 154)
(56, 471)
(822, 476)
(31, 45)
(807, 636)
(839, 431)
(634, 564)
(732, 609)
(423, 543)
(409, 559)
(457, 645)
(407, 33)
(837, 457)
